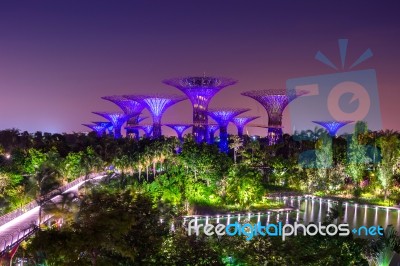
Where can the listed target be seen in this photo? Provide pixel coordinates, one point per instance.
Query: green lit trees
(390, 151)
(357, 154)
(110, 226)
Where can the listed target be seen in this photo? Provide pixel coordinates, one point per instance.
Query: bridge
(21, 223)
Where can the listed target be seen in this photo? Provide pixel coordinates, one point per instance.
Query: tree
(236, 144)
(357, 153)
(324, 158)
(244, 186)
(390, 150)
(111, 227)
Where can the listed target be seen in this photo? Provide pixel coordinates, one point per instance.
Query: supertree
(200, 91)
(100, 130)
(157, 104)
(129, 107)
(332, 126)
(223, 116)
(106, 125)
(240, 123)
(274, 102)
(179, 129)
(211, 131)
(131, 129)
(116, 119)
(148, 129)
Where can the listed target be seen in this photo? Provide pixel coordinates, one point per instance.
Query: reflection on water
(306, 210)
(316, 209)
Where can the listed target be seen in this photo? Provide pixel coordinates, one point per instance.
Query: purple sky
(57, 58)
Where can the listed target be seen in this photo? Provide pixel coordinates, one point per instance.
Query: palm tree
(236, 144)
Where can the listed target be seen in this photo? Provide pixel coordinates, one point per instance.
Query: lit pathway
(24, 225)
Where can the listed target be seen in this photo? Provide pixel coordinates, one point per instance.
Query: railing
(8, 241)
(35, 203)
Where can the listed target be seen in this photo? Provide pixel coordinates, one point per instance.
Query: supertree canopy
(129, 107)
(106, 125)
(211, 131)
(200, 91)
(148, 129)
(117, 120)
(157, 104)
(223, 116)
(274, 102)
(240, 123)
(179, 129)
(100, 130)
(332, 126)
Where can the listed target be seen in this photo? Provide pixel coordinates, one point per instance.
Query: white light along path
(18, 228)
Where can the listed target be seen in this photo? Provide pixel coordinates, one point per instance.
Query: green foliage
(111, 227)
(34, 160)
(357, 153)
(72, 165)
(390, 149)
(243, 186)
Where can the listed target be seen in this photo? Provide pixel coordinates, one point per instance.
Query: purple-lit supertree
(116, 119)
(241, 122)
(148, 129)
(100, 130)
(179, 129)
(200, 91)
(274, 102)
(131, 129)
(332, 126)
(129, 107)
(106, 125)
(223, 116)
(157, 104)
(211, 131)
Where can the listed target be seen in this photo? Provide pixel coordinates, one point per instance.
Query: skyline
(58, 59)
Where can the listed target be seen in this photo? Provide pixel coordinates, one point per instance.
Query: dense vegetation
(154, 181)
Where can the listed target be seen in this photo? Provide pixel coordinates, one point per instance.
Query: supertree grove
(117, 120)
(223, 116)
(157, 104)
(200, 91)
(274, 102)
(241, 122)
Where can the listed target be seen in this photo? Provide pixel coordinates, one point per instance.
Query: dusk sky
(57, 58)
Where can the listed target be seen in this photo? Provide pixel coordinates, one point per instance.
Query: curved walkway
(21, 223)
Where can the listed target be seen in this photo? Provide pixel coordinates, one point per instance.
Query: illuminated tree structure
(223, 116)
(200, 91)
(129, 107)
(211, 131)
(148, 129)
(107, 125)
(332, 126)
(157, 104)
(116, 119)
(100, 130)
(274, 102)
(241, 122)
(131, 130)
(179, 129)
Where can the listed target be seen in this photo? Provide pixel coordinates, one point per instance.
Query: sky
(57, 58)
